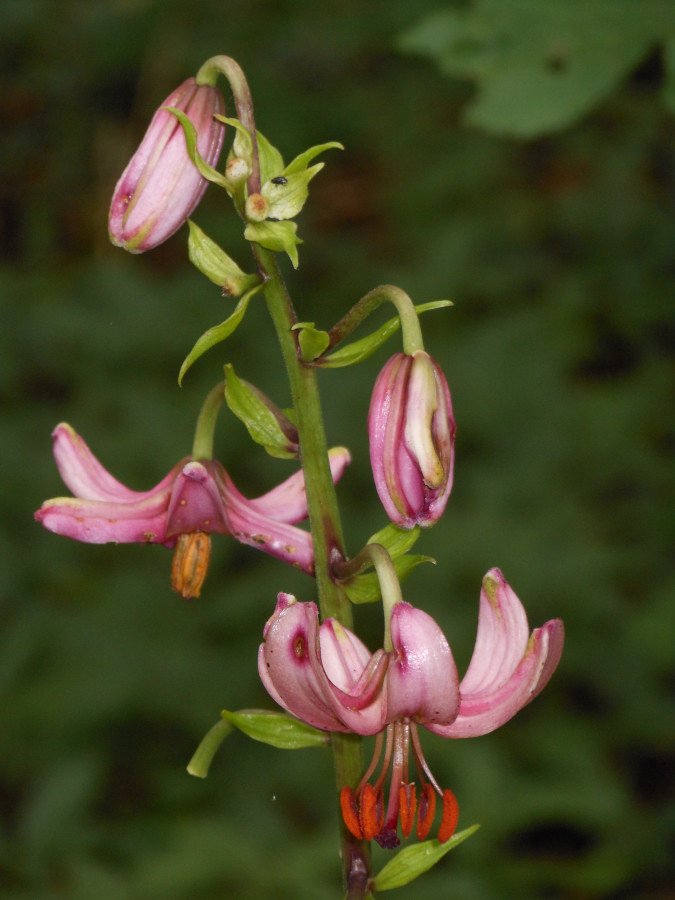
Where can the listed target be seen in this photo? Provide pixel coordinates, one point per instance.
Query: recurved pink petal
(422, 682)
(355, 677)
(501, 638)
(84, 475)
(343, 654)
(485, 710)
(250, 526)
(100, 522)
(292, 669)
(289, 667)
(287, 502)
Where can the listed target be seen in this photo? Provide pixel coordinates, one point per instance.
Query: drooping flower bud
(161, 186)
(412, 434)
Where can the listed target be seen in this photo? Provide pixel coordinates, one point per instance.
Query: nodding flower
(196, 498)
(412, 439)
(324, 675)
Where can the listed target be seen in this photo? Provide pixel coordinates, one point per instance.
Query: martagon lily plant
(329, 687)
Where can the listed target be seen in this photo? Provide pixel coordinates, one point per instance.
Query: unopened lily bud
(161, 186)
(412, 433)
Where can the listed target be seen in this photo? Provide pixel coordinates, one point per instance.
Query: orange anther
(349, 812)
(407, 799)
(425, 816)
(371, 814)
(450, 816)
(190, 563)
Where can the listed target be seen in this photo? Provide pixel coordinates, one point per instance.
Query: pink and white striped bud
(161, 186)
(412, 439)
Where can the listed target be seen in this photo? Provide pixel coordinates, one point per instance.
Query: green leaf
(214, 262)
(304, 159)
(271, 161)
(540, 66)
(218, 333)
(265, 422)
(359, 350)
(413, 861)
(276, 729)
(395, 540)
(312, 341)
(190, 132)
(286, 198)
(279, 236)
(365, 588)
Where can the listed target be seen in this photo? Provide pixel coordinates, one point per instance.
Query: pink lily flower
(197, 497)
(160, 187)
(412, 439)
(324, 675)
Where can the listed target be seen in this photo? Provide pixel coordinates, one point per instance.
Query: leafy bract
(218, 333)
(357, 351)
(413, 861)
(266, 423)
(277, 729)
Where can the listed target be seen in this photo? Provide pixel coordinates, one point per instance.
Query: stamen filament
(373, 762)
(420, 761)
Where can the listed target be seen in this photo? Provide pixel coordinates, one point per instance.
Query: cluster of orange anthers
(363, 809)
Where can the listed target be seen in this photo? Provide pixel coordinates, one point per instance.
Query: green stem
(202, 444)
(410, 326)
(203, 755)
(390, 587)
(225, 65)
(326, 529)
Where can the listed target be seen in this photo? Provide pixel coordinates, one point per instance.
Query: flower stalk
(326, 528)
(385, 293)
(208, 75)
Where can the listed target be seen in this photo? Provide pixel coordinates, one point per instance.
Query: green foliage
(212, 261)
(266, 424)
(365, 587)
(276, 729)
(540, 66)
(415, 860)
(278, 236)
(558, 256)
(218, 333)
(311, 340)
(357, 351)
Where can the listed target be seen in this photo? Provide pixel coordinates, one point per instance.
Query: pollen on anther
(407, 806)
(349, 812)
(425, 816)
(371, 814)
(299, 646)
(450, 816)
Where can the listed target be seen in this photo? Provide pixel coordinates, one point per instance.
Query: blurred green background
(552, 233)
